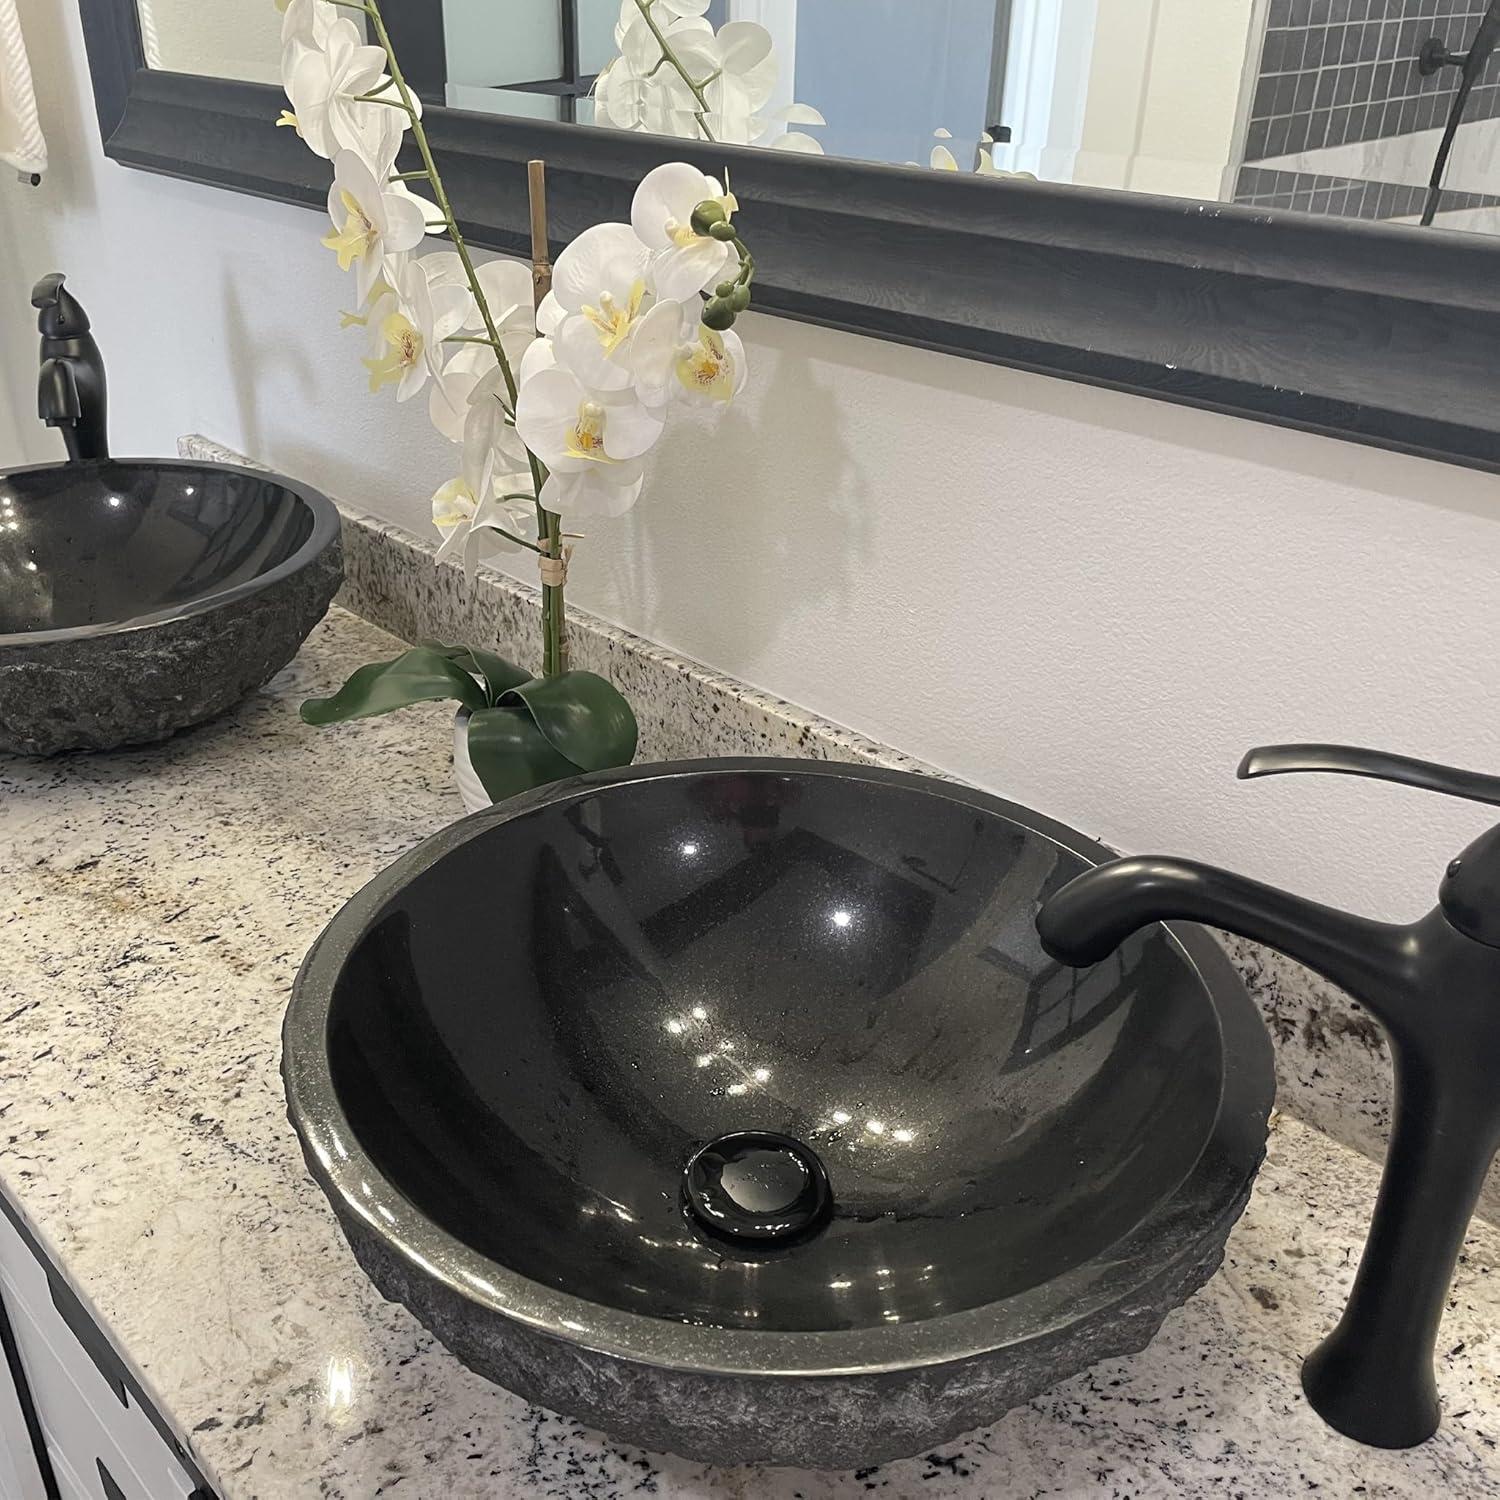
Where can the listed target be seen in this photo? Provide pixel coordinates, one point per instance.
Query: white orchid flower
(491, 444)
(592, 441)
(572, 428)
(734, 69)
(636, 91)
(672, 10)
(712, 370)
(600, 274)
(476, 527)
(683, 261)
(598, 362)
(793, 140)
(549, 315)
(305, 25)
(599, 284)
(660, 338)
(542, 355)
(800, 141)
(506, 285)
(739, 71)
(594, 493)
(448, 399)
(507, 289)
(324, 84)
(371, 219)
(411, 334)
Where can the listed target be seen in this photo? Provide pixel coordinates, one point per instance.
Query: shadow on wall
(18, 443)
(715, 505)
(256, 365)
(1295, 453)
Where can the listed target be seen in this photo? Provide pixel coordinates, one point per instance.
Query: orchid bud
(725, 289)
(706, 215)
(739, 297)
(723, 230)
(718, 314)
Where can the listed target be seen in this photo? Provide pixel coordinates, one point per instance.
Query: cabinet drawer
(101, 1443)
(82, 1434)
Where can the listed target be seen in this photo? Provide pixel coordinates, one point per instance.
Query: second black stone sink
(138, 596)
(735, 1108)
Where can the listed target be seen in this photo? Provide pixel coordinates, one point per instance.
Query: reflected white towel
(21, 143)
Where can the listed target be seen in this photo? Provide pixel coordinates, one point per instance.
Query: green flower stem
(510, 536)
(552, 624)
(671, 58)
(408, 176)
(548, 525)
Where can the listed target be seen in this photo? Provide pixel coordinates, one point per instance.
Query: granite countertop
(157, 907)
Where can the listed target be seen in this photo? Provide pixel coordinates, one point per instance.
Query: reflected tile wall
(1344, 197)
(1335, 71)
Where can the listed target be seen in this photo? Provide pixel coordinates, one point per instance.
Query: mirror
(1365, 109)
(1324, 106)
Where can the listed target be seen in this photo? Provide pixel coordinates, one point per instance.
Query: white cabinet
(20, 1477)
(100, 1443)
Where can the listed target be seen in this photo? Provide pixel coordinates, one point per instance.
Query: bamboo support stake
(541, 255)
(553, 564)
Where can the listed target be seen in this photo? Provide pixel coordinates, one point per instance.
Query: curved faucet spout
(1093, 914)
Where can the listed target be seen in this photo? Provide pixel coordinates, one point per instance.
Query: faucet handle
(1349, 760)
(46, 292)
(62, 315)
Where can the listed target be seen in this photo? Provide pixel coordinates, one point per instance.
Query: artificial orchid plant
(677, 75)
(554, 396)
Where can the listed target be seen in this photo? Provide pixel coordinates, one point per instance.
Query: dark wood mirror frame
(1376, 333)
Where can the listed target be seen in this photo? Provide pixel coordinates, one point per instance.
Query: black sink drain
(757, 1188)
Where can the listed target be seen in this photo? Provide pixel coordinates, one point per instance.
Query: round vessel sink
(138, 596)
(734, 1108)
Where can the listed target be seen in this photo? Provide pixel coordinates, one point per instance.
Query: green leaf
(499, 675)
(509, 753)
(420, 675)
(583, 718)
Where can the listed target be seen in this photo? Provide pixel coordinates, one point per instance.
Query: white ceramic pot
(470, 788)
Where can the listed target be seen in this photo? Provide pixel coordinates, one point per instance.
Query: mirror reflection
(1366, 109)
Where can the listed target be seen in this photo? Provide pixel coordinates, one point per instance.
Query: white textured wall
(1087, 601)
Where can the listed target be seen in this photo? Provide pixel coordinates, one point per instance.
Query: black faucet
(1434, 54)
(70, 390)
(1434, 985)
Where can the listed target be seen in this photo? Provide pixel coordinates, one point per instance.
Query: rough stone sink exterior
(138, 596)
(504, 1052)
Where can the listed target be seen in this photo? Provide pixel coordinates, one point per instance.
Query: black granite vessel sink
(138, 596)
(734, 1108)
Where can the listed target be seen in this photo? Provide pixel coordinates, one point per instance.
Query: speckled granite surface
(156, 907)
(1333, 1068)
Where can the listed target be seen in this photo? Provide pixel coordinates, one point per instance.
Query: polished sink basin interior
(988, 1118)
(91, 546)
(503, 1055)
(139, 596)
